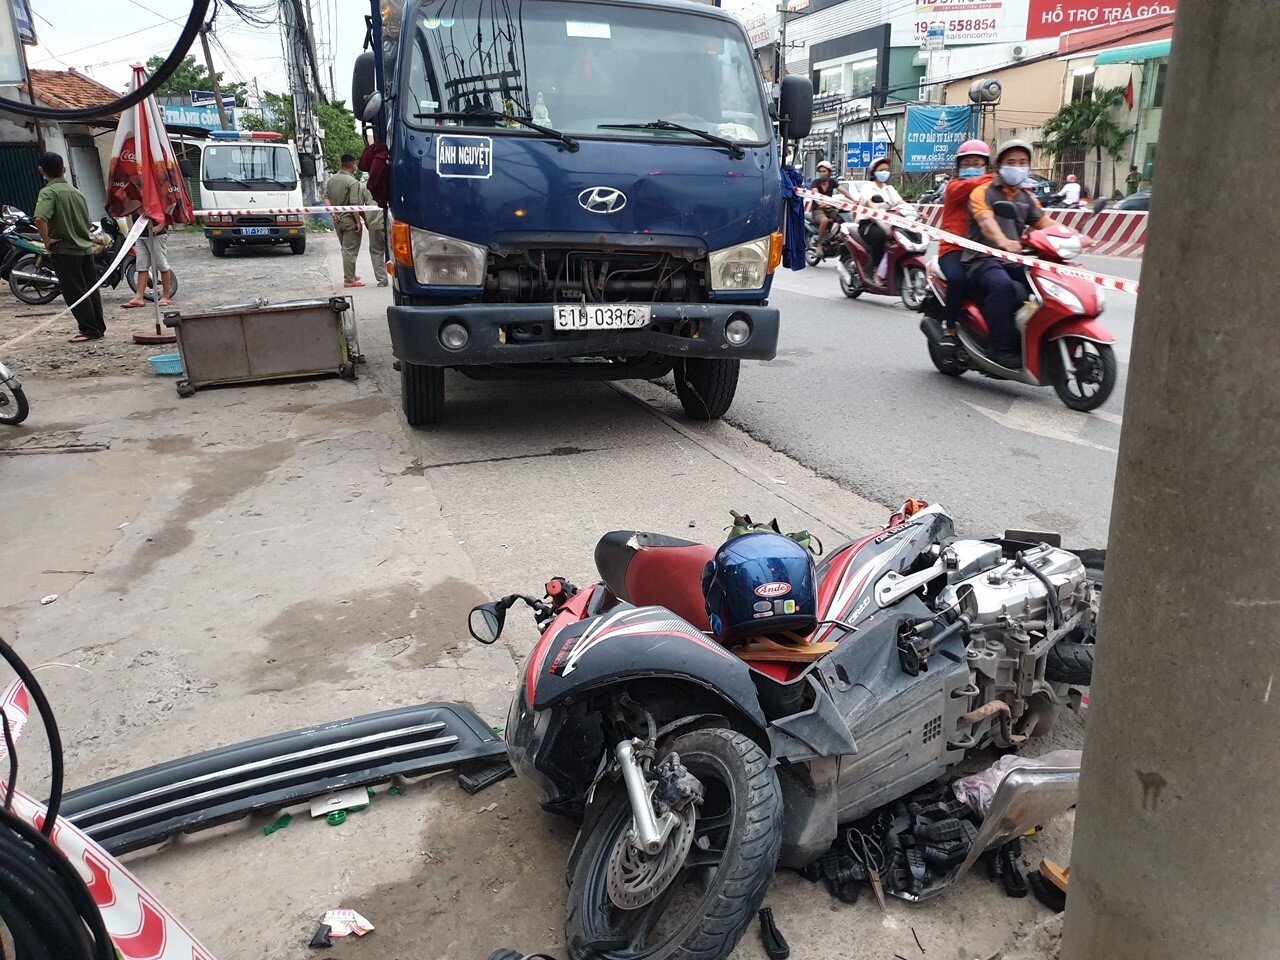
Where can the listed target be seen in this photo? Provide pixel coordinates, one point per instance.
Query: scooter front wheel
(1084, 379)
(850, 282)
(13, 405)
(704, 903)
(913, 286)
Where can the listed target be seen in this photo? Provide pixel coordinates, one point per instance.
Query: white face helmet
(1014, 145)
(824, 165)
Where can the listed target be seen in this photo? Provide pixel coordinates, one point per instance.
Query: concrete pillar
(1177, 844)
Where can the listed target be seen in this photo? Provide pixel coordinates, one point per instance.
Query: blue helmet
(760, 584)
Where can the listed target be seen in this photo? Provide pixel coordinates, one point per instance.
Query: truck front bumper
(520, 333)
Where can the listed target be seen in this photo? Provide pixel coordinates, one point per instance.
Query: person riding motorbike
(998, 283)
(1070, 192)
(827, 185)
(879, 195)
(972, 160)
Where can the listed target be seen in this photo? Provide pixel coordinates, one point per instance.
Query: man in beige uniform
(343, 189)
(373, 220)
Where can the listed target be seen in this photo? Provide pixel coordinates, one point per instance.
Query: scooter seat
(651, 569)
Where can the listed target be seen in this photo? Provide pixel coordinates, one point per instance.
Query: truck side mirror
(371, 107)
(307, 164)
(187, 167)
(795, 106)
(363, 82)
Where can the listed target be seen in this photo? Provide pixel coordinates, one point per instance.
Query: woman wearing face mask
(880, 196)
(971, 173)
(994, 278)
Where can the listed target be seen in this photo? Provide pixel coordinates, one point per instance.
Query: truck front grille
(596, 276)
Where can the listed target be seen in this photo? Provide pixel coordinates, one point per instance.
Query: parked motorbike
(693, 767)
(1063, 345)
(906, 275)
(13, 402)
(32, 279)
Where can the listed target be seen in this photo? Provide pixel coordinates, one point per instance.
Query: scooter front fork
(649, 832)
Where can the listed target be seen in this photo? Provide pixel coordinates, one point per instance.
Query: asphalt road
(852, 394)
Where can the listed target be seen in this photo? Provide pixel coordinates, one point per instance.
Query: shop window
(1157, 85)
(1082, 85)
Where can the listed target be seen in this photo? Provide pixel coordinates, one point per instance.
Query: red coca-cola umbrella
(145, 180)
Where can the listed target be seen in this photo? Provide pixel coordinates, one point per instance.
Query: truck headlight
(444, 261)
(743, 267)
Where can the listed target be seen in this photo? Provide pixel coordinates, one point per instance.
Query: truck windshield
(582, 68)
(245, 166)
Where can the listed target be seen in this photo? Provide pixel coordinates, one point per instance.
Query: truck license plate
(255, 231)
(601, 316)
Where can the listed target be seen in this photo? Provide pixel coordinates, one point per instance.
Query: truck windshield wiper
(734, 149)
(570, 144)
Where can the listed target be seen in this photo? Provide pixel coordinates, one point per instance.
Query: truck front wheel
(422, 390)
(706, 387)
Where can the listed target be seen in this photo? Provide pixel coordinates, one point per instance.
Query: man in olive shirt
(343, 189)
(62, 217)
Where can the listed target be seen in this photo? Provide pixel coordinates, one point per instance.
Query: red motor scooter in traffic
(906, 274)
(1063, 345)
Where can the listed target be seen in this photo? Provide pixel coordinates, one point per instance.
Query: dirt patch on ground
(229, 473)
(406, 626)
(147, 688)
(204, 283)
(487, 879)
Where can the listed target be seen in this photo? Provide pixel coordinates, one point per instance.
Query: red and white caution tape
(125, 247)
(140, 926)
(904, 223)
(249, 211)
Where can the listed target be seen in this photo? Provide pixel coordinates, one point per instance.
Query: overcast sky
(117, 33)
(103, 37)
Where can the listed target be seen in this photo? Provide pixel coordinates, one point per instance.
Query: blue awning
(1134, 54)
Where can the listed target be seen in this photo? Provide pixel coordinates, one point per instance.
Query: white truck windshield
(582, 69)
(248, 166)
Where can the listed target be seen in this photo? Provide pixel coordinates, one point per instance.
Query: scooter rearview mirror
(485, 621)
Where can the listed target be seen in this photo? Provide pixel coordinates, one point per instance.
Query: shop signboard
(1052, 18)
(933, 135)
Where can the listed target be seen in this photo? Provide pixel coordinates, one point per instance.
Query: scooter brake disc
(636, 878)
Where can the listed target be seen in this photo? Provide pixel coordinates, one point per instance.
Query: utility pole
(1176, 845)
(213, 77)
(782, 44)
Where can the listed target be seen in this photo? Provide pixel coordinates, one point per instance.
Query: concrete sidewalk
(251, 560)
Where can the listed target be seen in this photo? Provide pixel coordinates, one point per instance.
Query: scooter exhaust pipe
(932, 329)
(40, 279)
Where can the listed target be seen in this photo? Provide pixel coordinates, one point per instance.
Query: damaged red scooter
(697, 754)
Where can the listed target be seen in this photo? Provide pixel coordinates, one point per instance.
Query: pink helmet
(1071, 178)
(973, 148)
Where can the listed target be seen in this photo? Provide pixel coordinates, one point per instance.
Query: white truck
(240, 171)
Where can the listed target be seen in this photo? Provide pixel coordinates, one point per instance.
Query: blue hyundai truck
(578, 189)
